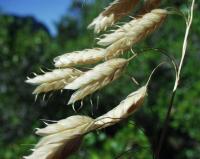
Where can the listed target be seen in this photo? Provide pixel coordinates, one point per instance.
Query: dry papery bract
(131, 33)
(94, 86)
(55, 75)
(61, 138)
(98, 73)
(111, 14)
(128, 106)
(87, 56)
(64, 137)
(54, 80)
(52, 86)
(141, 24)
(97, 78)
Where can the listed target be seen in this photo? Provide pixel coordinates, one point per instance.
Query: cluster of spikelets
(62, 138)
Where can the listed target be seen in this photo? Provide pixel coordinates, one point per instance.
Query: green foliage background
(26, 46)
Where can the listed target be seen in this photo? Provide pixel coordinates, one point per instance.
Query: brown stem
(164, 131)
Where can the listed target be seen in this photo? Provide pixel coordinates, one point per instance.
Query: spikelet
(87, 56)
(98, 73)
(55, 75)
(61, 139)
(52, 86)
(55, 80)
(133, 32)
(136, 27)
(128, 106)
(71, 122)
(117, 34)
(91, 88)
(111, 14)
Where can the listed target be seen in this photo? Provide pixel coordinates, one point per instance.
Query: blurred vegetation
(26, 46)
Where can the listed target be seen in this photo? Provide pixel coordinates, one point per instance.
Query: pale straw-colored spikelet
(55, 75)
(133, 32)
(55, 80)
(93, 87)
(135, 27)
(111, 14)
(116, 34)
(62, 138)
(128, 106)
(98, 73)
(87, 56)
(52, 86)
(63, 125)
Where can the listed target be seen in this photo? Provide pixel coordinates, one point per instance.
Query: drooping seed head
(98, 73)
(131, 33)
(93, 87)
(53, 86)
(55, 75)
(64, 137)
(128, 106)
(64, 124)
(117, 34)
(61, 139)
(55, 80)
(87, 56)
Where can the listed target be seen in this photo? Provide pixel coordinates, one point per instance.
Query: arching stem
(166, 122)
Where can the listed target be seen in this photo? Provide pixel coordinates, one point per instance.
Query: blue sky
(46, 11)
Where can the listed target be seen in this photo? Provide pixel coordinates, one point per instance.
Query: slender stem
(150, 76)
(166, 122)
(188, 23)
